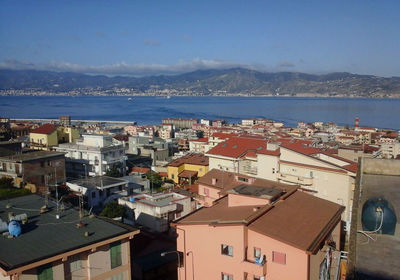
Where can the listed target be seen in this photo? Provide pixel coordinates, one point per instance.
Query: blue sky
(166, 37)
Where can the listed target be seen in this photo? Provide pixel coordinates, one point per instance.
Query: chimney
(214, 181)
(357, 121)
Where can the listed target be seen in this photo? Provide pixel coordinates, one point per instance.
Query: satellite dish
(378, 216)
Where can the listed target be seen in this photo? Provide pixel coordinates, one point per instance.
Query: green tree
(113, 210)
(6, 183)
(154, 179)
(113, 172)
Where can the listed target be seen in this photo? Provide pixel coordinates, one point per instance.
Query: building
(44, 137)
(156, 211)
(100, 190)
(8, 148)
(5, 129)
(199, 145)
(93, 156)
(61, 245)
(216, 183)
(375, 231)
(64, 120)
(226, 155)
(157, 149)
(34, 170)
(179, 123)
(260, 233)
(186, 169)
(49, 135)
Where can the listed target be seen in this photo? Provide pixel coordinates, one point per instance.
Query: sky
(128, 37)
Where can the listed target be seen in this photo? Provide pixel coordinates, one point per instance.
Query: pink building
(259, 233)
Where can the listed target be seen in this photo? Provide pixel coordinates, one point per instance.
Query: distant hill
(208, 82)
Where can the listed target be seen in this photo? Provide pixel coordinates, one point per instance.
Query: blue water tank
(374, 210)
(132, 199)
(14, 228)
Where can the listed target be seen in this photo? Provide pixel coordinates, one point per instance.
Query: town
(257, 199)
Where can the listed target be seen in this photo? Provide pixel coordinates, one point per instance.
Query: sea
(381, 113)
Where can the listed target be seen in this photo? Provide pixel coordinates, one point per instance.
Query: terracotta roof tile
(196, 159)
(45, 129)
(237, 146)
(298, 220)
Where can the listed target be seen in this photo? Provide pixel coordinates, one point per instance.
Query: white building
(156, 211)
(100, 190)
(94, 155)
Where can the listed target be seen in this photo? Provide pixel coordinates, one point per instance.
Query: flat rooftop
(44, 235)
(29, 156)
(98, 182)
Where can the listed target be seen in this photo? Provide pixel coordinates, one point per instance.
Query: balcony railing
(252, 267)
(304, 181)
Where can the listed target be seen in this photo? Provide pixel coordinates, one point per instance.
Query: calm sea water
(383, 113)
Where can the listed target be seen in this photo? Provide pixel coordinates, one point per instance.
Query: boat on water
(130, 98)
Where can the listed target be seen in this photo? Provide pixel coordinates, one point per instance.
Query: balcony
(298, 180)
(249, 170)
(251, 267)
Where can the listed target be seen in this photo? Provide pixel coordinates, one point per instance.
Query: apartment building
(61, 245)
(179, 122)
(156, 211)
(187, 169)
(318, 171)
(34, 170)
(49, 135)
(200, 145)
(92, 156)
(260, 233)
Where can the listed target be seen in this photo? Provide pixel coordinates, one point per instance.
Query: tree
(154, 179)
(113, 210)
(113, 172)
(6, 183)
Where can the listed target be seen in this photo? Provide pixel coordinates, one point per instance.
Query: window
(257, 253)
(206, 191)
(45, 272)
(273, 170)
(311, 174)
(75, 263)
(173, 176)
(226, 250)
(279, 257)
(226, 276)
(243, 179)
(115, 254)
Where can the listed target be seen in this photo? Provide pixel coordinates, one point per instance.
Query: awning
(187, 174)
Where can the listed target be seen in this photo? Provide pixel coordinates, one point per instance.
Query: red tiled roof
(300, 146)
(222, 135)
(196, 159)
(45, 129)
(237, 146)
(138, 169)
(294, 221)
(163, 174)
(203, 140)
(187, 174)
(121, 137)
(277, 152)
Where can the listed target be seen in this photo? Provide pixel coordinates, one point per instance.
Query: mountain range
(205, 82)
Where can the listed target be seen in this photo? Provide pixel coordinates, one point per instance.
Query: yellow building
(187, 169)
(67, 134)
(49, 135)
(43, 137)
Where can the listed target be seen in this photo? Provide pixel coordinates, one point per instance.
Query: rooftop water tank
(132, 199)
(14, 228)
(378, 213)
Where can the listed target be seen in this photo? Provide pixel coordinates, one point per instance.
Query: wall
(289, 155)
(204, 244)
(267, 167)
(296, 259)
(223, 164)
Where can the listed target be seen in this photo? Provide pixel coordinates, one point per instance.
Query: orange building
(260, 232)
